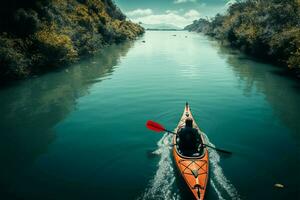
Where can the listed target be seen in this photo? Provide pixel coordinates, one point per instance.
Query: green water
(79, 133)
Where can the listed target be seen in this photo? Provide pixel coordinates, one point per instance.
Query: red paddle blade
(154, 126)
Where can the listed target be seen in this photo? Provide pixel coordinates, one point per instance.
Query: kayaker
(189, 138)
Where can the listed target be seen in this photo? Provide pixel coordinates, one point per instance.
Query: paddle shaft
(217, 149)
(159, 128)
(170, 132)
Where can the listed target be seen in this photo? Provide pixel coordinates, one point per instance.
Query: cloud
(183, 1)
(192, 14)
(139, 13)
(171, 17)
(172, 11)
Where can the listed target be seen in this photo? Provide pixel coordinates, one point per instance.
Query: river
(79, 132)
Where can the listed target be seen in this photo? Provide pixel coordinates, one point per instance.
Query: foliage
(58, 47)
(37, 35)
(268, 29)
(13, 61)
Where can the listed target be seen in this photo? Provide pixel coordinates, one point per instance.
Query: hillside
(39, 35)
(268, 29)
(161, 26)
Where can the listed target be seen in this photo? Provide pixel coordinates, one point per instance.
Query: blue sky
(175, 12)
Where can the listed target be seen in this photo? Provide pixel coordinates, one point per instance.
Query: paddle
(154, 126)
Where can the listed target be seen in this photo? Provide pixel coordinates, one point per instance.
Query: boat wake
(162, 184)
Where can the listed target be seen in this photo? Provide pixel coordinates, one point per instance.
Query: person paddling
(189, 138)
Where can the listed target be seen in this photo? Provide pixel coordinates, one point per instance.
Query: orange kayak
(195, 169)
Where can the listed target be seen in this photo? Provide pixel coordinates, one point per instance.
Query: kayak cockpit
(199, 153)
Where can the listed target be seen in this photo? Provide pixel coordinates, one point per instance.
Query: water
(79, 133)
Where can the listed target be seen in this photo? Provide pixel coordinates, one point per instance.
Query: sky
(174, 12)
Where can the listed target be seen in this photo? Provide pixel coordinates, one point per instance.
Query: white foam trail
(216, 189)
(218, 178)
(161, 185)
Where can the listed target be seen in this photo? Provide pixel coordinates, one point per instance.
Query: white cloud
(172, 11)
(192, 14)
(171, 17)
(183, 1)
(139, 13)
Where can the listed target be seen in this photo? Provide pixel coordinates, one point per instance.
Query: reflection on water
(31, 109)
(282, 92)
(65, 135)
(283, 95)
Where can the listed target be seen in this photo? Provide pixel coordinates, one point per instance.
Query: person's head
(189, 122)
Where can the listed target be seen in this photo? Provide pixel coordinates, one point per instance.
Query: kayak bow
(195, 169)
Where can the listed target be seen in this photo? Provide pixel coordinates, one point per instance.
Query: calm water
(79, 133)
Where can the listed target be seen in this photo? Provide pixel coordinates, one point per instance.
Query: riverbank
(39, 36)
(56, 130)
(268, 30)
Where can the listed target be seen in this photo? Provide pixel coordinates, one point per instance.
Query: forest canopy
(268, 29)
(38, 35)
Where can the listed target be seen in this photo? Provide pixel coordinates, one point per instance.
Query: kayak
(194, 169)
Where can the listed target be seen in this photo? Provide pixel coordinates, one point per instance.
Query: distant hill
(200, 25)
(160, 27)
(39, 35)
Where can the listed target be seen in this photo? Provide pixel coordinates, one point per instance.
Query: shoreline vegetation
(41, 35)
(265, 29)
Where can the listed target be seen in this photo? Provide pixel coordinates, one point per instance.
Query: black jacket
(189, 139)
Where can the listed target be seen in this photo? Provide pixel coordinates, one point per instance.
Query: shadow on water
(30, 109)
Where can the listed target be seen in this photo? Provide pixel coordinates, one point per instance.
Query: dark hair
(189, 122)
